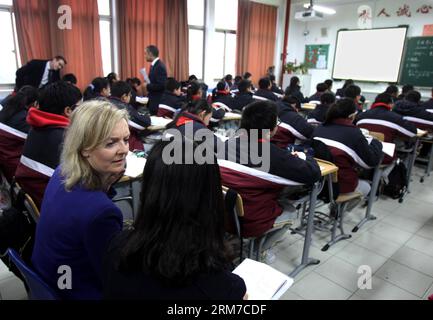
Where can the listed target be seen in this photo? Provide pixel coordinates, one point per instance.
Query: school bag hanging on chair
(397, 181)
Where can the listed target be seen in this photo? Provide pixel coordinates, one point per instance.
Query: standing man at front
(157, 77)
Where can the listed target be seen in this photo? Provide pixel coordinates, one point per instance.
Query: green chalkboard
(418, 62)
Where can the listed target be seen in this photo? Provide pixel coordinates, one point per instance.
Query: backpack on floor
(397, 181)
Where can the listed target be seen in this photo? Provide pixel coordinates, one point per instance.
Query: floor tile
(289, 295)
(377, 244)
(391, 233)
(426, 231)
(316, 287)
(405, 278)
(403, 223)
(421, 244)
(359, 256)
(415, 260)
(383, 290)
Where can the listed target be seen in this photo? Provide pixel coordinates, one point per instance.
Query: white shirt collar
(155, 61)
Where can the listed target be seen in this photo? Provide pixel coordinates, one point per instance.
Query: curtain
(256, 38)
(161, 23)
(39, 36)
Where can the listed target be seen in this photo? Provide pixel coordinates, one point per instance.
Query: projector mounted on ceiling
(313, 12)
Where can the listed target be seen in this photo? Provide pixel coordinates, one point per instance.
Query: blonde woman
(78, 218)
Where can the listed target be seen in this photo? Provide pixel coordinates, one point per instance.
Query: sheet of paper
(388, 148)
(263, 282)
(142, 100)
(145, 75)
(134, 165)
(159, 121)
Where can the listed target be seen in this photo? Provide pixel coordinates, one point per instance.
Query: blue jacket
(74, 230)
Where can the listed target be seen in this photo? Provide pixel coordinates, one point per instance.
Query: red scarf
(380, 104)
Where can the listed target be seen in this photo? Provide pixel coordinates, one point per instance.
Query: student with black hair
(329, 83)
(428, 105)
(195, 115)
(393, 91)
(245, 96)
(412, 111)
(380, 118)
(262, 209)
(175, 251)
(340, 92)
(235, 88)
(275, 88)
(318, 115)
(71, 78)
(294, 90)
(404, 90)
(195, 93)
(293, 129)
(14, 129)
(135, 84)
(248, 76)
(354, 92)
(112, 78)
(98, 89)
(228, 79)
(321, 89)
(121, 97)
(348, 146)
(41, 152)
(222, 97)
(264, 92)
(172, 99)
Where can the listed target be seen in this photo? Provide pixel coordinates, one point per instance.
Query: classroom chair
(37, 288)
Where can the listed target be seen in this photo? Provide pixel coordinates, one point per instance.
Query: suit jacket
(156, 87)
(31, 74)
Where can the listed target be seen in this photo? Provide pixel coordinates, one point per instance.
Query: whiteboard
(369, 55)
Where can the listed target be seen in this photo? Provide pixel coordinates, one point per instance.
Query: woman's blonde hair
(91, 125)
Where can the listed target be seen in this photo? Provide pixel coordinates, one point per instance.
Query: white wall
(346, 17)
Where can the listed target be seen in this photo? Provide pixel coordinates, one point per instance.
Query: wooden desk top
(308, 106)
(327, 167)
(230, 116)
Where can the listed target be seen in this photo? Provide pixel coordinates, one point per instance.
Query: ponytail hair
(95, 88)
(193, 89)
(342, 109)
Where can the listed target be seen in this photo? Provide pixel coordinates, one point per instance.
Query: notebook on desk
(263, 282)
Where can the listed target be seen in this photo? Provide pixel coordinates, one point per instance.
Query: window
(226, 19)
(196, 22)
(9, 54)
(105, 27)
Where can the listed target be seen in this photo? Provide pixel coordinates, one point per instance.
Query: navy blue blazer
(74, 230)
(31, 74)
(156, 87)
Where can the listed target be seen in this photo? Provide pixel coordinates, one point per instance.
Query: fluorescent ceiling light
(320, 9)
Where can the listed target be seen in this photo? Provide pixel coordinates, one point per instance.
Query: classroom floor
(398, 247)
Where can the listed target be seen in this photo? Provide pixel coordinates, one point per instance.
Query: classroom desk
(327, 169)
(427, 140)
(420, 134)
(308, 106)
(158, 124)
(230, 116)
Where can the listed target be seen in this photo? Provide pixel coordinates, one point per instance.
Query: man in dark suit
(157, 77)
(38, 73)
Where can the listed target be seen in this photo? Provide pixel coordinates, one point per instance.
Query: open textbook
(263, 282)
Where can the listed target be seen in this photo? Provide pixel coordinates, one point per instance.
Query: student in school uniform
(354, 92)
(380, 118)
(78, 217)
(121, 97)
(172, 99)
(428, 105)
(318, 115)
(412, 111)
(235, 88)
(112, 78)
(14, 129)
(195, 116)
(340, 92)
(42, 149)
(71, 78)
(321, 89)
(293, 127)
(404, 90)
(329, 83)
(264, 92)
(228, 80)
(248, 76)
(98, 89)
(294, 89)
(175, 251)
(348, 146)
(195, 93)
(261, 198)
(222, 97)
(245, 96)
(275, 88)
(393, 91)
